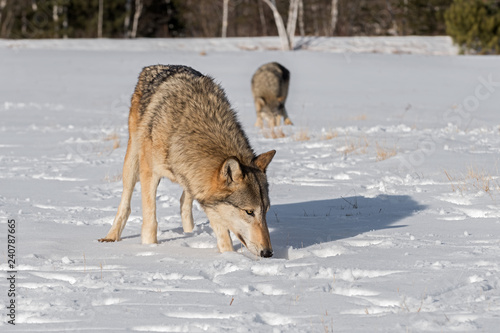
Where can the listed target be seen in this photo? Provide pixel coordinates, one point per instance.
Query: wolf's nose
(266, 253)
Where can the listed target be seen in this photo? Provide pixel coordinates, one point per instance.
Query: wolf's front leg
(130, 176)
(224, 242)
(187, 211)
(287, 118)
(260, 122)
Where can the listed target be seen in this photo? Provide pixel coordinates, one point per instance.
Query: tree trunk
(126, 22)
(293, 11)
(301, 18)
(137, 15)
(55, 18)
(99, 19)
(224, 18)
(65, 22)
(7, 25)
(262, 19)
(285, 40)
(335, 14)
(3, 3)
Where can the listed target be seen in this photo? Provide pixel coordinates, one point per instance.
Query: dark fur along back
(153, 76)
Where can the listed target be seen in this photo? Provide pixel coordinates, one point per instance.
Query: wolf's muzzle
(266, 253)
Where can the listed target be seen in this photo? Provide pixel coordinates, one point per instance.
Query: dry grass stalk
(113, 178)
(474, 178)
(360, 117)
(115, 138)
(330, 134)
(302, 135)
(360, 146)
(384, 153)
(275, 132)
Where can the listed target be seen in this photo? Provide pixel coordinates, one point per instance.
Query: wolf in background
(270, 89)
(182, 127)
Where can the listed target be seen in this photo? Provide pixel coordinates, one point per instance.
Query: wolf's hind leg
(187, 211)
(130, 176)
(149, 184)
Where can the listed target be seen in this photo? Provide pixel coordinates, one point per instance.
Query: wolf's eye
(249, 212)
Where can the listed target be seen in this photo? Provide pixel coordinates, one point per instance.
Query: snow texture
(385, 193)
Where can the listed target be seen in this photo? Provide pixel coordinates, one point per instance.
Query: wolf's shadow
(303, 224)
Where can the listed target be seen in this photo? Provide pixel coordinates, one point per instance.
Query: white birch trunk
(262, 19)
(65, 22)
(225, 10)
(335, 14)
(285, 41)
(55, 18)
(3, 3)
(292, 20)
(301, 18)
(126, 22)
(137, 15)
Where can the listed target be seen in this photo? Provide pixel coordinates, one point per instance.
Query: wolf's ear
(231, 171)
(263, 160)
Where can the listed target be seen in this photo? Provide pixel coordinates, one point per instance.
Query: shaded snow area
(385, 196)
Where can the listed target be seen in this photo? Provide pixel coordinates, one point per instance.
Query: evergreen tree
(474, 25)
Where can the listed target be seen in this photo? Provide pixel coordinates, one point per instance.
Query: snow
(384, 193)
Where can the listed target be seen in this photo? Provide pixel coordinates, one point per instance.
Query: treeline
(204, 18)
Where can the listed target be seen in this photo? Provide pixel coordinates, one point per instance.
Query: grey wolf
(270, 89)
(182, 127)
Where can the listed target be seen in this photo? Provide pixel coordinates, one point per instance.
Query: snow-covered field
(385, 195)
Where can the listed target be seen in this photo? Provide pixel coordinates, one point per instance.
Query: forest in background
(474, 25)
(195, 18)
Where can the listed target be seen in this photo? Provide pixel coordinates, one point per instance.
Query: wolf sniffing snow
(182, 127)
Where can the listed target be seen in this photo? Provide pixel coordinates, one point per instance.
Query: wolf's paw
(288, 121)
(106, 240)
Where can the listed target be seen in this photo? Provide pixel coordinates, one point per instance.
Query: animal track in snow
(269, 290)
(200, 244)
(55, 276)
(267, 270)
(166, 328)
(353, 292)
(205, 315)
(364, 242)
(145, 254)
(108, 301)
(274, 319)
(331, 251)
(357, 274)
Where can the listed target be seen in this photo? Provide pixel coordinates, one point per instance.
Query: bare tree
(55, 18)
(3, 3)
(224, 18)
(99, 19)
(126, 21)
(285, 41)
(262, 19)
(301, 18)
(286, 35)
(7, 21)
(335, 14)
(137, 14)
(293, 11)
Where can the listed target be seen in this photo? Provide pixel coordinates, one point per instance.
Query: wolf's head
(271, 107)
(244, 206)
